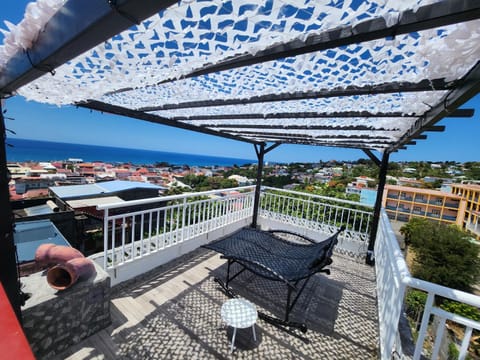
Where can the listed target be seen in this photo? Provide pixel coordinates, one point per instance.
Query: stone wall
(55, 320)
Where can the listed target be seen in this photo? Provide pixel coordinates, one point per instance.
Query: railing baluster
(158, 230)
(142, 220)
(114, 262)
(123, 239)
(184, 215)
(150, 214)
(132, 237)
(170, 229)
(218, 213)
(164, 232)
(194, 225)
(438, 338)
(189, 219)
(105, 239)
(201, 216)
(466, 341)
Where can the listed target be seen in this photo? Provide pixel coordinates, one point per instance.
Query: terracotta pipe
(51, 254)
(70, 265)
(64, 275)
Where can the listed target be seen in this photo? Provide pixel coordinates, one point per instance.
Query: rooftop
(174, 311)
(106, 187)
(474, 187)
(423, 191)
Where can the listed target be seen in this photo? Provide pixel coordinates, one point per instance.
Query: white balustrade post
(423, 328)
(466, 341)
(184, 215)
(105, 238)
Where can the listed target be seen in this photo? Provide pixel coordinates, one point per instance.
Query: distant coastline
(23, 150)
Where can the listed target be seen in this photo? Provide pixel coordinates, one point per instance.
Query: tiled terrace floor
(173, 312)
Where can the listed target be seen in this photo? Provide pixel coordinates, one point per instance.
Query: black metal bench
(276, 256)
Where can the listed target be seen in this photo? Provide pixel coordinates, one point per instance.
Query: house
(241, 180)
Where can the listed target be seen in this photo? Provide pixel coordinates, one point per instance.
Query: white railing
(474, 228)
(134, 229)
(393, 279)
(320, 214)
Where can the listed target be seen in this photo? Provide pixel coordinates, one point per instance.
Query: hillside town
(68, 192)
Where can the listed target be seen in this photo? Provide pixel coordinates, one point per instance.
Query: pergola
(365, 74)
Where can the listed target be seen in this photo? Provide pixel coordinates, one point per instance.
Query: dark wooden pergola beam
(297, 127)
(295, 115)
(468, 88)
(305, 136)
(357, 144)
(442, 13)
(323, 141)
(387, 88)
(372, 157)
(77, 27)
(461, 113)
(425, 17)
(435, 128)
(420, 137)
(118, 110)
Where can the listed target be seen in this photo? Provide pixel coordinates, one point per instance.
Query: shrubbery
(444, 254)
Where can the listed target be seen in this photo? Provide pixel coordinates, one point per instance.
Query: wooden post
(370, 260)
(260, 150)
(8, 262)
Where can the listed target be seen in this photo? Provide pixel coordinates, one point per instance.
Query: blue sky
(68, 124)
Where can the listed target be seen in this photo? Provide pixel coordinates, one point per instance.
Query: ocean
(33, 150)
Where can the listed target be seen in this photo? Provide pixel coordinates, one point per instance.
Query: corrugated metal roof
(75, 204)
(73, 191)
(38, 210)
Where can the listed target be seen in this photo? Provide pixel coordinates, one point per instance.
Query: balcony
(474, 228)
(421, 200)
(452, 205)
(449, 217)
(166, 304)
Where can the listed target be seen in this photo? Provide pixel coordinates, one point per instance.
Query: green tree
(409, 228)
(415, 303)
(443, 254)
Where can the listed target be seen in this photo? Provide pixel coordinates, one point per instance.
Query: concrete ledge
(55, 320)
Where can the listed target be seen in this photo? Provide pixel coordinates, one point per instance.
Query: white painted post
(105, 239)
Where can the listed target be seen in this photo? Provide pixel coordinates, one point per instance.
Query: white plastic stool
(239, 313)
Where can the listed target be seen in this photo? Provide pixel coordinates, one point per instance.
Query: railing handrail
(446, 292)
(168, 198)
(406, 278)
(392, 266)
(319, 197)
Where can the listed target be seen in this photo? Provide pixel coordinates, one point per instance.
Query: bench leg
(254, 334)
